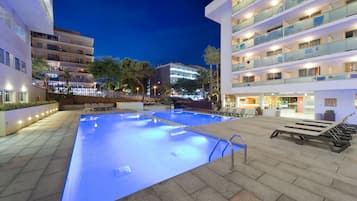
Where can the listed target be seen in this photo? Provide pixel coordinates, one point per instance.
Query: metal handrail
(242, 144)
(214, 148)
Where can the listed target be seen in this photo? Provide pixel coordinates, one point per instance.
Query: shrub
(14, 106)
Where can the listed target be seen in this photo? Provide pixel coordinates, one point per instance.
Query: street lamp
(137, 91)
(155, 90)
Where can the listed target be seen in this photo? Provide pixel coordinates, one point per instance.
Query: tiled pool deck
(33, 165)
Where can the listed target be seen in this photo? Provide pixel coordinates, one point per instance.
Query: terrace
(34, 161)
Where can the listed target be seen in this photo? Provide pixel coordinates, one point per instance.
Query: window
(17, 64)
(7, 96)
(276, 52)
(306, 72)
(2, 59)
(330, 102)
(248, 78)
(356, 101)
(351, 34)
(351, 67)
(53, 57)
(39, 45)
(7, 58)
(309, 44)
(274, 76)
(52, 47)
(50, 37)
(23, 67)
(22, 96)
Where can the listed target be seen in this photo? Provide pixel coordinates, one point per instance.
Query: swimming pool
(189, 118)
(116, 155)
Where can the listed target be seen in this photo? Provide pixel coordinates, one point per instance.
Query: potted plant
(329, 115)
(259, 111)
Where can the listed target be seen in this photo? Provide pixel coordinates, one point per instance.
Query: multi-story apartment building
(17, 20)
(167, 75)
(66, 51)
(297, 55)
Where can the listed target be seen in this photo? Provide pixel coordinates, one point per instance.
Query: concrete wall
(37, 94)
(137, 106)
(226, 55)
(345, 103)
(13, 120)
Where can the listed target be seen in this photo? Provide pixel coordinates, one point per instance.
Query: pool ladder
(230, 144)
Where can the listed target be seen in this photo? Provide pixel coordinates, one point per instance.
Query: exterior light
(274, 2)
(310, 11)
(37, 116)
(307, 39)
(274, 47)
(8, 87)
(43, 114)
(309, 65)
(274, 70)
(249, 54)
(30, 118)
(248, 15)
(19, 122)
(249, 35)
(249, 74)
(272, 94)
(23, 89)
(305, 94)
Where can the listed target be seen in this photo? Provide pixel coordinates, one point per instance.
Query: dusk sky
(158, 31)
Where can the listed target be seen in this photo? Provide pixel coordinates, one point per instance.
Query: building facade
(17, 20)
(167, 75)
(68, 54)
(296, 55)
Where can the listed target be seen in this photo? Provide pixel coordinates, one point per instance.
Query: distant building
(17, 20)
(66, 51)
(167, 75)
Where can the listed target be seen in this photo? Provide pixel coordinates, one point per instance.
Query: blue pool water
(189, 118)
(116, 155)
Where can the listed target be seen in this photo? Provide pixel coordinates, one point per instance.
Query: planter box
(13, 120)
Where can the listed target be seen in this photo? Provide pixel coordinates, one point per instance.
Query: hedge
(14, 106)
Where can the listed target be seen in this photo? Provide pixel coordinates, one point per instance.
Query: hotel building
(66, 51)
(168, 74)
(17, 19)
(296, 55)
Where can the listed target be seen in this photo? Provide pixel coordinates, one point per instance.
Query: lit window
(330, 102)
(356, 101)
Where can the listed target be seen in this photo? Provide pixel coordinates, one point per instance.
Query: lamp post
(155, 90)
(137, 91)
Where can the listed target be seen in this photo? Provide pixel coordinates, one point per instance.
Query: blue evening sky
(158, 31)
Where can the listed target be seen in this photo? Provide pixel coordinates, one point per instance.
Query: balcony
(319, 78)
(267, 13)
(242, 5)
(333, 15)
(316, 51)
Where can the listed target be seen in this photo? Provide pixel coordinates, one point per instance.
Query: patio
(33, 165)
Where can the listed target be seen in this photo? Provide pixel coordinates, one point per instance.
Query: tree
(136, 71)
(203, 79)
(217, 62)
(39, 69)
(209, 60)
(189, 86)
(107, 69)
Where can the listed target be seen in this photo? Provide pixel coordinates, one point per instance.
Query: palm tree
(209, 59)
(217, 62)
(136, 71)
(203, 79)
(107, 69)
(39, 69)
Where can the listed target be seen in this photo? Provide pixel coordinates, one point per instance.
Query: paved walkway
(33, 165)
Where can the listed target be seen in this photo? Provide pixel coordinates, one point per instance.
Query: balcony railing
(319, 50)
(333, 15)
(344, 76)
(241, 5)
(267, 13)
